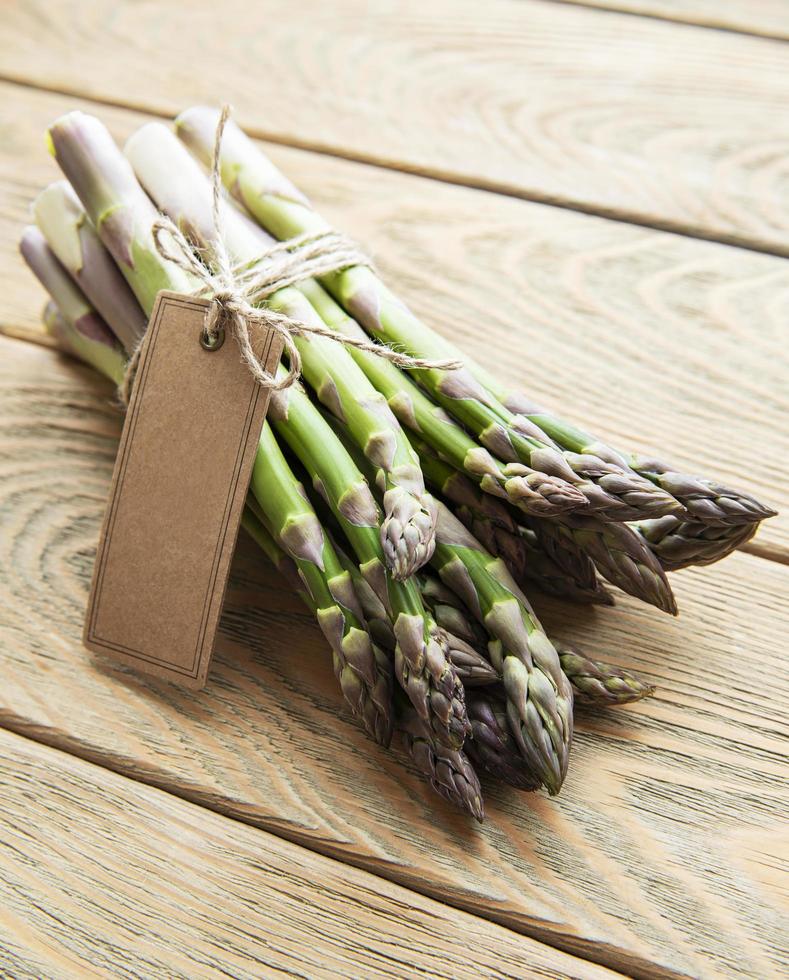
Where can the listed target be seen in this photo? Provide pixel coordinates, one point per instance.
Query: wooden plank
(765, 18)
(103, 876)
(661, 344)
(661, 856)
(654, 122)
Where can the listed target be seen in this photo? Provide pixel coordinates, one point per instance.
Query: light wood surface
(617, 869)
(666, 854)
(767, 18)
(657, 122)
(101, 876)
(656, 342)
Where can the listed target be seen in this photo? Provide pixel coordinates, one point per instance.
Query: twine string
(236, 291)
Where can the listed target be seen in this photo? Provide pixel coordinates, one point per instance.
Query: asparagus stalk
(82, 328)
(613, 492)
(601, 684)
(621, 555)
(179, 187)
(493, 747)
(449, 771)
(421, 662)
(677, 544)
(363, 671)
(539, 697)
(69, 233)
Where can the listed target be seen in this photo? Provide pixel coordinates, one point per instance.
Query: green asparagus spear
(450, 773)
(118, 208)
(493, 747)
(539, 697)
(621, 555)
(601, 684)
(85, 332)
(69, 233)
(363, 671)
(678, 544)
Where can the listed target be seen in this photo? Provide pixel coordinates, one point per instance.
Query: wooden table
(593, 202)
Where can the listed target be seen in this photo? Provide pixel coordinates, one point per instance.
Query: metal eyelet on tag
(212, 343)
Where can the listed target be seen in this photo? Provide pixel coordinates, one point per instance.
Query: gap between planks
(718, 21)
(502, 188)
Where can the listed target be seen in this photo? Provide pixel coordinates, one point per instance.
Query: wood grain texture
(101, 876)
(662, 856)
(764, 18)
(654, 122)
(659, 343)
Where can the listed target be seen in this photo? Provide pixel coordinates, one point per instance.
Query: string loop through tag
(236, 292)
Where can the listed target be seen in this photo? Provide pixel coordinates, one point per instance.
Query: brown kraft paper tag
(181, 476)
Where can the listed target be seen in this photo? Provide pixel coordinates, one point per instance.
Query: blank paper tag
(181, 477)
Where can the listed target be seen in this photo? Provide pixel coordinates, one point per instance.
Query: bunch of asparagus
(421, 593)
